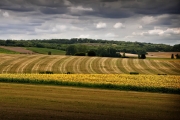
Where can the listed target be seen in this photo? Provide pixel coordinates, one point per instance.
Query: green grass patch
(46, 50)
(5, 51)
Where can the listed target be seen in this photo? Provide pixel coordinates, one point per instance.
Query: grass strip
(93, 85)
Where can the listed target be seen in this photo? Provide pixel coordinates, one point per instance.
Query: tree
(124, 55)
(172, 56)
(49, 53)
(71, 50)
(143, 56)
(91, 53)
(177, 56)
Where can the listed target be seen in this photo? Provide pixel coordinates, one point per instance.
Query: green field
(85, 65)
(46, 50)
(5, 51)
(32, 102)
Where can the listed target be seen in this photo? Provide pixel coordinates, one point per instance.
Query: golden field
(166, 81)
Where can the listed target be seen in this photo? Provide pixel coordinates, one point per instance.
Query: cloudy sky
(154, 21)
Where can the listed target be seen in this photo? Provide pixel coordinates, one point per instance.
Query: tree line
(107, 46)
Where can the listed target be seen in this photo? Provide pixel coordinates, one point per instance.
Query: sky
(150, 21)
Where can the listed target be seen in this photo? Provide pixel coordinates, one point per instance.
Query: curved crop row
(85, 65)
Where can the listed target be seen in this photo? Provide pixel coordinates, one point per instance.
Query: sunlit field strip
(5, 60)
(15, 64)
(68, 64)
(126, 66)
(90, 65)
(8, 64)
(134, 66)
(176, 64)
(49, 66)
(156, 65)
(103, 66)
(169, 66)
(37, 63)
(150, 64)
(75, 65)
(42, 66)
(109, 64)
(155, 83)
(22, 67)
(35, 68)
(120, 66)
(83, 68)
(28, 68)
(95, 65)
(55, 66)
(163, 67)
(138, 64)
(143, 64)
(100, 65)
(114, 65)
(62, 62)
(21, 63)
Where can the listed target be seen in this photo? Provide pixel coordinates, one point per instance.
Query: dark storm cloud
(109, 0)
(49, 10)
(101, 8)
(149, 7)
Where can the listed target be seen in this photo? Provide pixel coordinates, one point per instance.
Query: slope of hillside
(86, 65)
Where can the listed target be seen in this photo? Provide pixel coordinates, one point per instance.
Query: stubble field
(39, 102)
(85, 65)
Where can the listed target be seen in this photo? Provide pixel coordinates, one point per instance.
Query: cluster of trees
(82, 50)
(177, 56)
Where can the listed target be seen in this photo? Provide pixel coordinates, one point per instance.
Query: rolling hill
(18, 63)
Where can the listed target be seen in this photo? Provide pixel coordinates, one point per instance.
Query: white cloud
(80, 8)
(128, 37)
(158, 32)
(84, 36)
(172, 31)
(140, 26)
(66, 2)
(148, 19)
(5, 14)
(119, 25)
(58, 28)
(111, 35)
(76, 28)
(101, 25)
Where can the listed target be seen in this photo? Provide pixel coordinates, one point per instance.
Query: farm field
(17, 49)
(150, 83)
(18, 63)
(46, 50)
(162, 54)
(6, 51)
(30, 102)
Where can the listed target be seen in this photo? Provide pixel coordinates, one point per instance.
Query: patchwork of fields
(11, 63)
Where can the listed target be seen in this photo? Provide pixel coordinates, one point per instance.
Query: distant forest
(100, 47)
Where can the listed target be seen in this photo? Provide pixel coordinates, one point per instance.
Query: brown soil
(18, 49)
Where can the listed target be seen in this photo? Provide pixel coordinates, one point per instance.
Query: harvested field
(86, 65)
(162, 54)
(32, 102)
